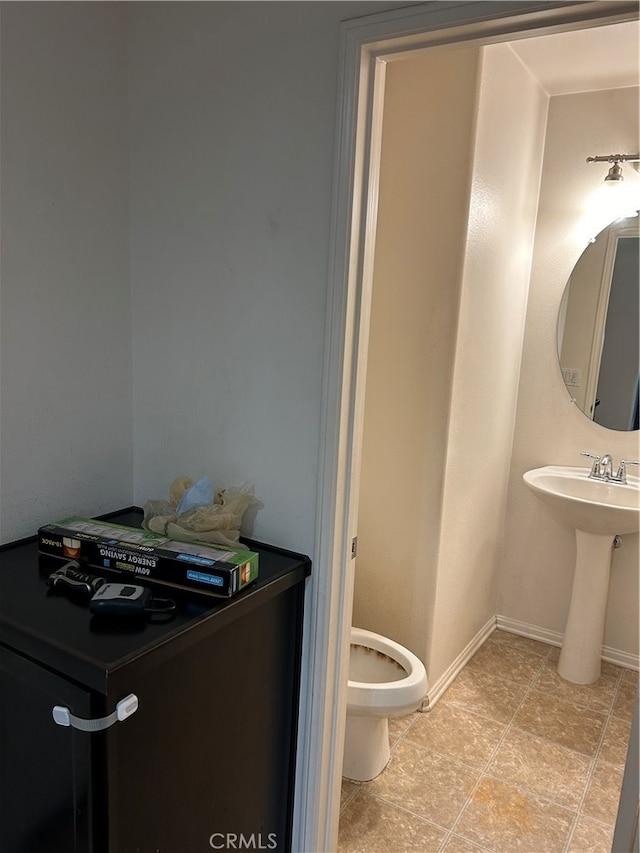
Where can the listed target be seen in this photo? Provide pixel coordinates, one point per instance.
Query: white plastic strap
(62, 716)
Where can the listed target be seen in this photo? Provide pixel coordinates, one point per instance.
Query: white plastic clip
(62, 716)
(127, 706)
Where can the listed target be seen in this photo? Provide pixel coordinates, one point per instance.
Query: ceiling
(584, 60)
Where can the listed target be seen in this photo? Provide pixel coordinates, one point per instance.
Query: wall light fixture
(621, 198)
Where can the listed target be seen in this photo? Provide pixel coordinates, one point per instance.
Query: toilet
(385, 680)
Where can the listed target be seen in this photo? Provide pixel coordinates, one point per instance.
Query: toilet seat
(387, 698)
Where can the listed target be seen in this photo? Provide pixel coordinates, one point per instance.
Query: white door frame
(366, 45)
(617, 230)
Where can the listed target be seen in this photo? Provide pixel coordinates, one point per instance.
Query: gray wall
(65, 321)
(232, 128)
(166, 192)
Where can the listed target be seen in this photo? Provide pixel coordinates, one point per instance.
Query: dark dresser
(206, 761)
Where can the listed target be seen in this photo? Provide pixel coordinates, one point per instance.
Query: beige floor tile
(630, 676)
(516, 641)
(554, 654)
(616, 741)
(347, 792)
(369, 825)
(399, 725)
(486, 695)
(437, 759)
(598, 696)
(542, 767)
(506, 661)
(427, 784)
(504, 819)
(603, 793)
(591, 837)
(452, 731)
(573, 726)
(611, 670)
(456, 844)
(624, 700)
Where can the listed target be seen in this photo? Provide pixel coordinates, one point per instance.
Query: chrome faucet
(606, 466)
(602, 468)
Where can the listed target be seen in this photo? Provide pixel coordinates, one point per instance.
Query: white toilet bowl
(385, 680)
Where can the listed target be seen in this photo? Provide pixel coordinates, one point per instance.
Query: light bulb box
(150, 557)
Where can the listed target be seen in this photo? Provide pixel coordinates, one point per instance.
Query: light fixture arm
(615, 158)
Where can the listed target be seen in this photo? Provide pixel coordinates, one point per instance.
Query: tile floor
(512, 758)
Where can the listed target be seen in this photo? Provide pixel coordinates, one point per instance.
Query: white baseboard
(554, 638)
(524, 629)
(436, 690)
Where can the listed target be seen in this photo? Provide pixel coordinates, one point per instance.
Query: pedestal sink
(598, 511)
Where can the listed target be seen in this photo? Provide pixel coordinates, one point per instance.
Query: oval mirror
(598, 334)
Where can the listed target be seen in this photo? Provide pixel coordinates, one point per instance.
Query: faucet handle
(622, 470)
(596, 462)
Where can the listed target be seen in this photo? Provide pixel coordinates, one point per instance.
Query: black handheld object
(71, 579)
(124, 600)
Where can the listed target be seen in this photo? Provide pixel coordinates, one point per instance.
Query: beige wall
(450, 289)
(423, 209)
(506, 176)
(537, 570)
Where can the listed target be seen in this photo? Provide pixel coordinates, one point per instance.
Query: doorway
(368, 45)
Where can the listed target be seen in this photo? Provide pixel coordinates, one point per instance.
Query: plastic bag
(199, 495)
(217, 522)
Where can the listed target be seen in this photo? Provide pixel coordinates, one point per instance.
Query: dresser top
(60, 633)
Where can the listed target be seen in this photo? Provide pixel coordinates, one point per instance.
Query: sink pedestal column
(582, 647)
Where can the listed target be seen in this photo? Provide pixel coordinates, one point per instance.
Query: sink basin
(598, 512)
(594, 506)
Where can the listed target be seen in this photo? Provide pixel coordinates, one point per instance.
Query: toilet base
(366, 747)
